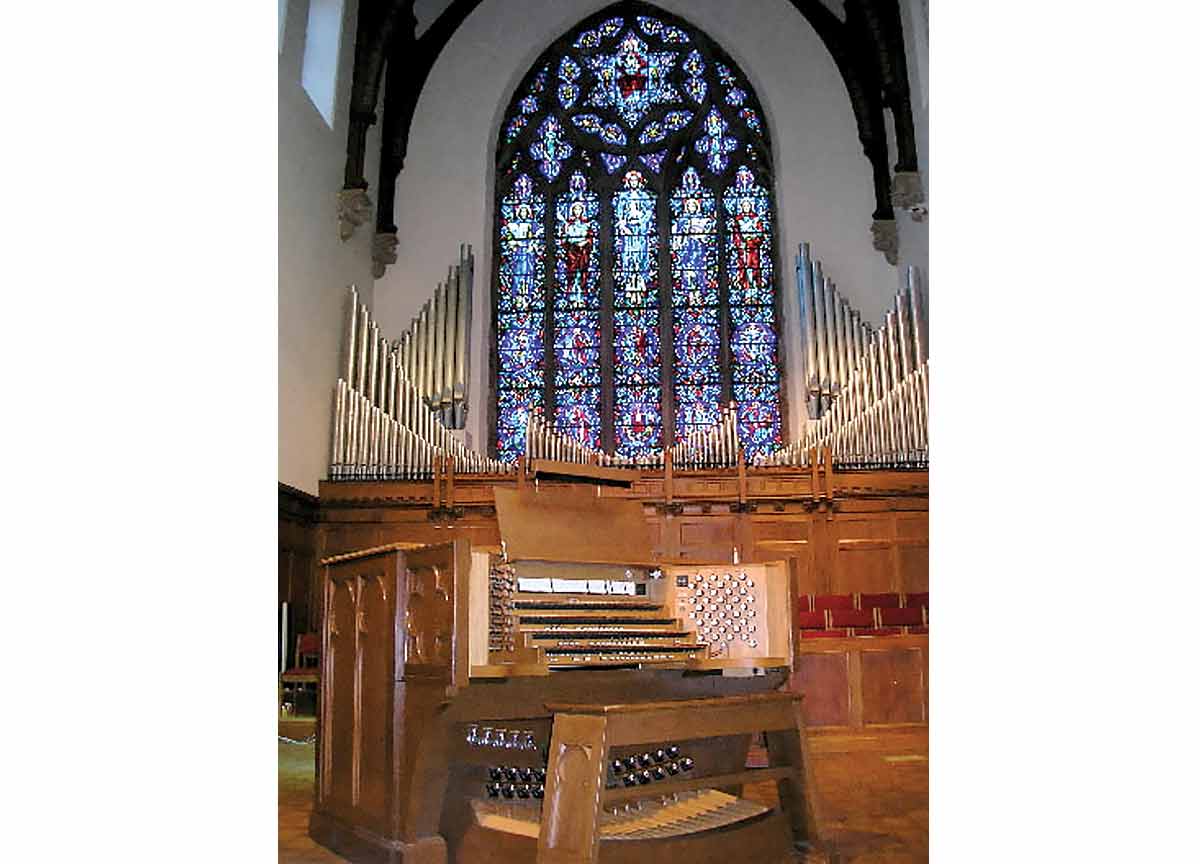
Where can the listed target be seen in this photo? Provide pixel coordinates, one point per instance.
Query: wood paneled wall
(870, 536)
(299, 514)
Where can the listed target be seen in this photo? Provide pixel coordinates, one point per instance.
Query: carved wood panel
(429, 617)
(893, 686)
(704, 538)
(912, 559)
(824, 679)
(574, 782)
(376, 634)
(339, 740)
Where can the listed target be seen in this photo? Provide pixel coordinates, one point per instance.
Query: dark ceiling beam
(408, 66)
(859, 75)
(879, 22)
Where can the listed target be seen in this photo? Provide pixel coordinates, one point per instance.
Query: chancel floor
(873, 788)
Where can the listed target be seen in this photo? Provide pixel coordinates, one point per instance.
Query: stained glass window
(577, 312)
(630, 128)
(520, 304)
(753, 342)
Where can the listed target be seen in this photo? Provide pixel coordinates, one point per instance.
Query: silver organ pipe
(390, 419)
(877, 415)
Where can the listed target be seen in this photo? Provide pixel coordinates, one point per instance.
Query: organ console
(559, 699)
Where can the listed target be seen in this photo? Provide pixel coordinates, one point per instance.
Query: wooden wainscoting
(298, 542)
(863, 682)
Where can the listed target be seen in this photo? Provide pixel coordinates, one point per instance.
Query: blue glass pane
(578, 415)
(665, 32)
(654, 161)
(635, 270)
(638, 420)
(512, 414)
(693, 243)
(636, 346)
(748, 248)
(632, 79)
(714, 143)
(550, 148)
(577, 349)
(758, 417)
(577, 262)
(593, 38)
(612, 162)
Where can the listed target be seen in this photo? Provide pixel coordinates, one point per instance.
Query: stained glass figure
(520, 301)
(753, 341)
(550, 148)
(695, 298)
(714, 143)
(636, 351)
(632, 79)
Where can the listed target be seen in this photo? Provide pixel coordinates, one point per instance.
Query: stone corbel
(885, 239)
(908, 194)
(383, 252)
(354, 208)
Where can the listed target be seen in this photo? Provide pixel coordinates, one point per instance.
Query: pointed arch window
(634, 276)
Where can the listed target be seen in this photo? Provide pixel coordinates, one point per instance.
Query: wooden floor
(874, 796)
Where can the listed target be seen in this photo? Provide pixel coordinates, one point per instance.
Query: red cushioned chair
(862, 618)
(907, 617)
(919, 599)
(803, 603)
(306, 671)
(833, 601)
(809, 621)
(879, 601)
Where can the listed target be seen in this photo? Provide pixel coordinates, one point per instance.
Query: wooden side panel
(570, 832)
(863, 567)
(893, 686)
(824, 680)
(338, 738)
(913, 562)
(376, 645)
(706, 538)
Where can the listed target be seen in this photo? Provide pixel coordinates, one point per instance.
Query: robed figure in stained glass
(635, 224)
(518, 237)
(579, 239)
(691, 237)
(748, 234)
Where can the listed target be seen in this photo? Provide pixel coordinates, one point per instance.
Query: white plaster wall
(444, 194)
(315, 266)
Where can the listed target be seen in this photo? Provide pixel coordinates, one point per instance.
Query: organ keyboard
(561, 700)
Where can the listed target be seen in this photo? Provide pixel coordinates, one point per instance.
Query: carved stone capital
(906, 190)
(885, 239)
(908, 194)
(383, 253)
(354, 208)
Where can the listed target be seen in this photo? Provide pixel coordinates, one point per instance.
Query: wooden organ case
(560, 700)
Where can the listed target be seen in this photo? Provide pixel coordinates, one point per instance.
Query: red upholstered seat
(918, 599)
(879, 601)
(851, 618)
(804, 603)
(879, 631)
(833, 601)
(306, 669)
(907, 617)
(809, 620)
(823, 634)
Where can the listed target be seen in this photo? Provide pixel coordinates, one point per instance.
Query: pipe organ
(565, 701)
(435, 351)
(387, 426)
(713, 447)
